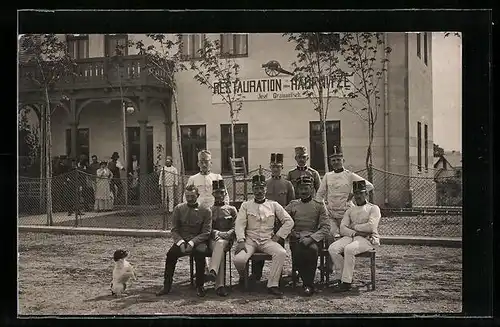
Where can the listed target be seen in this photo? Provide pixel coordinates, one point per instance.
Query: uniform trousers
(218, 247)
(199, 253)
(270, 247)
(350, 247)
(305, 259)
(258, 266)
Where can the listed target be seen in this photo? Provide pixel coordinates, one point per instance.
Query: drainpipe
(386, 127)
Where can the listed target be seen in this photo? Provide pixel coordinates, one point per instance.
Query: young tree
(50, 63)
(219, 72)
(316, 73)
(365, 58)
(163, 61)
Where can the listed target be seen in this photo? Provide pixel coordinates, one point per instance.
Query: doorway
(134, 146)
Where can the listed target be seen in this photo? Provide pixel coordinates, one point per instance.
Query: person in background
(281, 191)
(134, 179)
(93, 167)
(116, 185)
(168, 182)
(301, 157)
(103, 194)
(192, 225)
(359, 231)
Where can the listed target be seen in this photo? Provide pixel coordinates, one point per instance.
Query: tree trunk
(368, 159)
(179, 142)
(324, 141)
(48, 157)
(231, 115)
(42, 156)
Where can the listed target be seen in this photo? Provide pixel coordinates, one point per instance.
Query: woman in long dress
(103, 195)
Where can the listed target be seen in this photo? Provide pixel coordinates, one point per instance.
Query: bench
(227, 254)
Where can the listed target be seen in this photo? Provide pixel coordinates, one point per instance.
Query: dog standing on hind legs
(122, 273)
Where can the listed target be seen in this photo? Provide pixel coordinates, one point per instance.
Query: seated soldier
(311, 227)
(254, 232)
(191, 229)
(222, 236)
(359, 230)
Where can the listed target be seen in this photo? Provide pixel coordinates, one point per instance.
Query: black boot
(342, 287)
(167, 286)
(275, 291)
(222, 291)
(200, 291)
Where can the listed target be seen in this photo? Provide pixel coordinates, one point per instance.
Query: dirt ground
(70, 274)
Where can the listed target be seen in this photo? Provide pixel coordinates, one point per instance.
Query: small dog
(122, 272)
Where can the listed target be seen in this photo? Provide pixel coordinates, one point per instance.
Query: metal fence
(413, 206)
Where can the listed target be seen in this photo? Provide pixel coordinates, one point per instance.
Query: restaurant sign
(279, 88)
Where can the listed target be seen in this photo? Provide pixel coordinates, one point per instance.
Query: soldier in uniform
(191, 231)
(254, 232)
(281, 191)
(222, 236)
(301, 157)
(311, 226)
(359, 228)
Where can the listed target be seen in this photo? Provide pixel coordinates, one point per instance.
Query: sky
(447, 91)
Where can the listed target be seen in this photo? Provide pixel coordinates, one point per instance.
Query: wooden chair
(325, 260)
(227, 254)
(257, 256)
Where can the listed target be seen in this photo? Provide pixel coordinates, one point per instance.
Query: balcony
(97, 73)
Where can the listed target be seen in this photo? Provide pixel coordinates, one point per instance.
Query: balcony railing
(96, 73)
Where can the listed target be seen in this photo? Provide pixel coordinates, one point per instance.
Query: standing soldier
(254, 232)
(168, 182)
(222, 236)
(301, 158)
(281, 191)
(204, 179)
(336, 191)
(311, 226)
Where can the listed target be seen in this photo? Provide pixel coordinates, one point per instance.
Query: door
(134, 146)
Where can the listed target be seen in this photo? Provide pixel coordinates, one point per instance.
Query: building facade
(92, 121)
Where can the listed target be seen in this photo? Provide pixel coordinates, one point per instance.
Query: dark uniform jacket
(300, 171)
(280, 190)
(191, 224)
(310, 219)
(223, 218)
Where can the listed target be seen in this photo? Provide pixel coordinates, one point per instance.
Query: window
(115, 45)
(234, 45)
(325, 41)
(419, 146)
(240, 142)
(191, 45)
(82, 142)
(315, 136)
(194, 139)
(419, 46)
(426, 147)
(425, 48)
(78, 45)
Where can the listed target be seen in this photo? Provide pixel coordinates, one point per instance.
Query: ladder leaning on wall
(239, 169)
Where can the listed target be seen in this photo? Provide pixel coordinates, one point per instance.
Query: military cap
(168, 158)
(115, 155)
(218, 185)
(259, 180)
(204, 154)
(359, 186)
(276, 158)
(300, 150)
(304, 180)
(337, 152)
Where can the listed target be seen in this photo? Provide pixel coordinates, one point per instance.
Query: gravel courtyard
(70, 274)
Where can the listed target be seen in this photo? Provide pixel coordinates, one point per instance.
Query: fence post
(234, 188)
(76, 205)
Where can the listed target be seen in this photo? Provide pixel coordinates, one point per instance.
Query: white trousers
(270, 247)
(344, 266)
(168, 198)
(217, 260)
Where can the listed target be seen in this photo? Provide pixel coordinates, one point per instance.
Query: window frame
(419, 146)
(336, 140)
(108, 37)
(419, 46)
(193, 141)
(425, 49)
(195, 55)
(234, 54)
(312, 46)
(225, 139)
(426, 146)
(77, 38)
